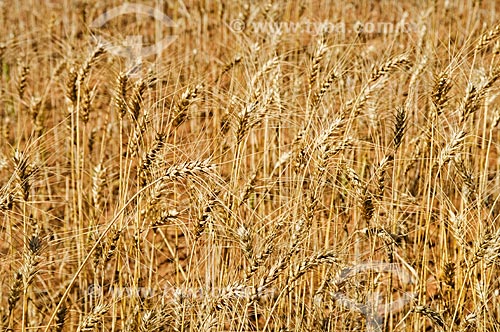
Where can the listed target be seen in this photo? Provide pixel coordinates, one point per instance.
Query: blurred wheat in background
(277, 166)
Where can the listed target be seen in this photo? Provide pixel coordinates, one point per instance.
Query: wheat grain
(91, 320)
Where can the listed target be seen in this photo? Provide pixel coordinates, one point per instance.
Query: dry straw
(271, 179)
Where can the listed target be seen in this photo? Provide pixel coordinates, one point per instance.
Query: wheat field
(268, 166)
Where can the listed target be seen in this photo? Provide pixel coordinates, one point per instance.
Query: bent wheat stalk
(169, 174)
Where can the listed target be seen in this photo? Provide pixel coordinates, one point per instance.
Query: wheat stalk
(435, 317)
(487, 37)
(89, 323)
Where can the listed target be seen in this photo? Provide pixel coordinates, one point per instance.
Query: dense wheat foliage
(244, 179)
